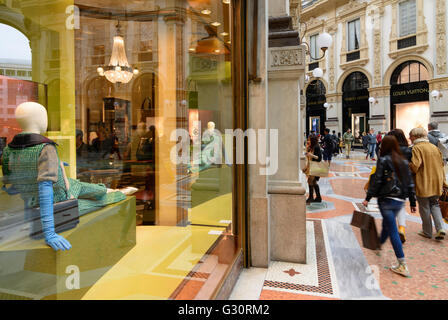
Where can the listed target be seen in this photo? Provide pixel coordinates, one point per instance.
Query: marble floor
(338, 266)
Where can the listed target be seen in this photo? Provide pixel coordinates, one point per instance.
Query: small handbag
(319, 169)
(146, 113)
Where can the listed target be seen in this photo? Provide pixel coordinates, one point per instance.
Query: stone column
(286, 72)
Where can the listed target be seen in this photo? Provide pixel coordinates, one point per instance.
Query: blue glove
(54, 240)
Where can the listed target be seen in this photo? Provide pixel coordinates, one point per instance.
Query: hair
(400, 136)
(389, 146)
(327, 131)
(314, 140)
(334, 131)
(433, 125)
(79, 133)
(418, 133)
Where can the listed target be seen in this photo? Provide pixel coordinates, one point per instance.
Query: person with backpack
(336, 141)
(329, 145)
(392, 184)
(439, 139)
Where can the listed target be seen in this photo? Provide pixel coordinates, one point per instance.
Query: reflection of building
(393, 52)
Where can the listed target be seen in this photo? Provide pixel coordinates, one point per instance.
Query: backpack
(443, 146)
(334, 142)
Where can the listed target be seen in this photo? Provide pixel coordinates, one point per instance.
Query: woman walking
(392, 184)
(313, 153)
(407, 153)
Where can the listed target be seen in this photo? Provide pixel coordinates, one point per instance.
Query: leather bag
(319, 169)
(19, 225)
(369, 232)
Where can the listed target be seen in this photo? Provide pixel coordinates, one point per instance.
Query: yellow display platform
(156, 266)
(217, 212)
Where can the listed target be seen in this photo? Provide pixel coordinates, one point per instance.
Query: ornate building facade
(387, 66)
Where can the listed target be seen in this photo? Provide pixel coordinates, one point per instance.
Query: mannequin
(32, 167)
(211, 146)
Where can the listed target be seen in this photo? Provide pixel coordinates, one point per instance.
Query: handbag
(369, 234)
(319, 169)
(17, 226)
(443, 203)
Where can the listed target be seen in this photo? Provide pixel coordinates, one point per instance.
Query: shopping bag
(367, 225)
(319, 169)
(443, 203)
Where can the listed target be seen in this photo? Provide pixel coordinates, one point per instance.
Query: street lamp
(436, 94)
(324, 41)
(373, 100)
(318, 73)
(327, 105)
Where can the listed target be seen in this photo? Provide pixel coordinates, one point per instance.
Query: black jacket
(380, 188)
(318, 153)
(407, 152)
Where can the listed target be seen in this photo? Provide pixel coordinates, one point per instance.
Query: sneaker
(402, 233)
(401, 269)
(424, 235)
(440, 235)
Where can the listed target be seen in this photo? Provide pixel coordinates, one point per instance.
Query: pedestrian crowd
(406, 170)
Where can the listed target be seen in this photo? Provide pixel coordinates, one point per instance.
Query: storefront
(136, 93)
(355, 105)
(316, 114)
(409, 96)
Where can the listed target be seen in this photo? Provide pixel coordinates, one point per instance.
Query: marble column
(286, 72)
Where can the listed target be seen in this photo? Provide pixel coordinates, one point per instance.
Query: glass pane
(138, 95)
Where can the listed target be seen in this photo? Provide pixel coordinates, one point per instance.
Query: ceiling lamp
(118, 70)
(226, 1)
(206, 12)
(211, 45)
(216, 24)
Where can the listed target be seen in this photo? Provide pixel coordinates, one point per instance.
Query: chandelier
(118, 70)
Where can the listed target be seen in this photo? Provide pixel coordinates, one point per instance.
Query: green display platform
(32, 270)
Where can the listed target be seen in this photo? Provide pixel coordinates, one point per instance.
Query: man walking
(371, 145)
(328, 146)
(348, 140)
(427, 165)
(434, 133)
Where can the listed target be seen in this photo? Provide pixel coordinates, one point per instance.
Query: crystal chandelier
(118, 70)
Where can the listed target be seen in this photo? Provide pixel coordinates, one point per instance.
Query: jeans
(389, 210)
(428, 207)
(371, 151)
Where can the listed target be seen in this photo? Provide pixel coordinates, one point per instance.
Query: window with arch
(409, 71)
(355, 81)
(316, 88)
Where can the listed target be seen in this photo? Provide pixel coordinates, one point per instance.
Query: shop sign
(410, 92)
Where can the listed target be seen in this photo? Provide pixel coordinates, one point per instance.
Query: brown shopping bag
(443, 203)
(367, 225)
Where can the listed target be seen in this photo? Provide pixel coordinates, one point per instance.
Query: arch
(389, 72)
(347, 73)
(21, 41)
(316, 84)
(402, 74)
(325, 83)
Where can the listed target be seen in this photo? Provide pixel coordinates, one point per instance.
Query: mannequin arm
(54, 240)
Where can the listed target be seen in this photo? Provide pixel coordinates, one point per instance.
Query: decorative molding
(291, 57)
(353, 7)
(441, 36)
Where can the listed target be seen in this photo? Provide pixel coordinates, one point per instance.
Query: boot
(311, 196)
(318, 198)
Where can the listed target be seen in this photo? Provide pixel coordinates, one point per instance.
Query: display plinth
(31, 270)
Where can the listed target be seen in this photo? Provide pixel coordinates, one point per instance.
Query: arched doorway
(316, 114)
(355, 105)
(409, 96)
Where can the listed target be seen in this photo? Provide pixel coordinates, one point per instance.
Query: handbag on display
(319, 169)
(15, 226)
(443, 202)
(369, 234)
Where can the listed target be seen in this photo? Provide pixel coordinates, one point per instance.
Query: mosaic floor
(338, 267)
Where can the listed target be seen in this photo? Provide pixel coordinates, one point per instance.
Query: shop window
(408, 72)
(355, 81)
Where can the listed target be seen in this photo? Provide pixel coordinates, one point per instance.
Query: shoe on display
(402, 233)
(401, 269)
(424, 235)
(440, 235)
